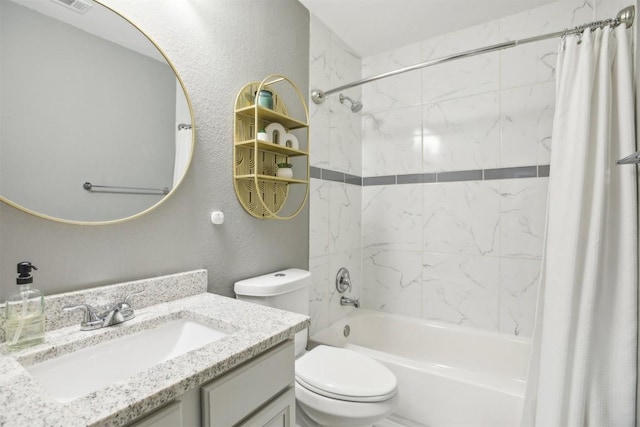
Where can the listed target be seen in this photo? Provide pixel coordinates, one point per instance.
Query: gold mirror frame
(173, 189)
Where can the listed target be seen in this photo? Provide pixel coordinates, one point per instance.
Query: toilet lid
(345, 374)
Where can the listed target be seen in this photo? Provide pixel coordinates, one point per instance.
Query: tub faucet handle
(343, 280)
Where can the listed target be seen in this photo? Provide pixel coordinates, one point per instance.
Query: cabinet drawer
(237, 394)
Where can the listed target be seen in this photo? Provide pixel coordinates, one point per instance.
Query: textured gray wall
(217, 46)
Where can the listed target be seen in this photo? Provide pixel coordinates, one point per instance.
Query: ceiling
(97, 20)
(374, 26)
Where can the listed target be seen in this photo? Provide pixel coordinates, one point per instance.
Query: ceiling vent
(75, 5)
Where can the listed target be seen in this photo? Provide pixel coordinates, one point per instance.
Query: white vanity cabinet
(259, 393)
(258, 384)
(170, 415)
(278, 413)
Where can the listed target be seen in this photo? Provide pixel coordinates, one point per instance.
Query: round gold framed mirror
(96, 126)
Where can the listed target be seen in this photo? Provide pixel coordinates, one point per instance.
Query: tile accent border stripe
(540, 171)
(379, 180)
(352, 179)
(329, 175)
(506, 173)
(459, 176)
(543, 170)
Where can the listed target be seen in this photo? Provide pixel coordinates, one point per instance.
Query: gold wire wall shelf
(267, 135)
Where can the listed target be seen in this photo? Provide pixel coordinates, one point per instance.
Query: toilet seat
(326, 411)
(346, 375)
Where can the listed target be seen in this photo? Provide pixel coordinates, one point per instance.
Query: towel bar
(127, 190)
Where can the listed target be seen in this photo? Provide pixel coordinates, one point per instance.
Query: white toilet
(334, 386)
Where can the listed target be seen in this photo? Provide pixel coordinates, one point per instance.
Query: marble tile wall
(336, 211)
(464, 252)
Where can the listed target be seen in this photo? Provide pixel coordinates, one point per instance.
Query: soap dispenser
(25, 312)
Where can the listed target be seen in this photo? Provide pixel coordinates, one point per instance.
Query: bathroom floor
(396, 421)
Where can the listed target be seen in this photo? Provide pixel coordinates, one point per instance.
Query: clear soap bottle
(24, 312)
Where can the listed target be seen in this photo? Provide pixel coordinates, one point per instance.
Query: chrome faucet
(117, 313)
(343, 284)
(350, 301)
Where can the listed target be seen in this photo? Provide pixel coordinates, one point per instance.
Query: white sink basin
(84, 371)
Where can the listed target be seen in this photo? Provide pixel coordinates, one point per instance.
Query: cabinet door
(183, 412)
(231, 398)
(169, 416)
(280, 412)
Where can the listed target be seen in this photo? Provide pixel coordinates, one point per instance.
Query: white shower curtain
(583, 367)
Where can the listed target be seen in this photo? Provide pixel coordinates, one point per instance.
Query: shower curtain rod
(625, 16)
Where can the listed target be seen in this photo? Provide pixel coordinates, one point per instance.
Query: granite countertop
(252, 330)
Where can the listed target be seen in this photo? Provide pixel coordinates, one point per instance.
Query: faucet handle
(123, 310)
(343, 280)
(90, 319)
(89, 312)
(127, 299)
(125, 306)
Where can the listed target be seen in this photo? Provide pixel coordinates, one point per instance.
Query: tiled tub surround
(451, 205)
(335, 207)
(462, 250)
(252, 330)
(465, 248)
(336, 132)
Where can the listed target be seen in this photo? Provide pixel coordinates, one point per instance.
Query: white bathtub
(447, 375)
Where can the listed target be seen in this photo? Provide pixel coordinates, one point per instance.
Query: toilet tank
(287, 290)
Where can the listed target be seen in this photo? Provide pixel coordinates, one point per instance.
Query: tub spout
(350, 301)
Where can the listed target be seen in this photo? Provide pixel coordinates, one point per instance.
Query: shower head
(355, 105)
